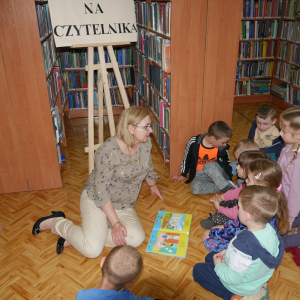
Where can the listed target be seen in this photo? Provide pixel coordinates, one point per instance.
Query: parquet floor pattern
(31, 269)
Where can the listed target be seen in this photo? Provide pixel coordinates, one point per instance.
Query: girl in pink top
(227, 204)
(289, 162)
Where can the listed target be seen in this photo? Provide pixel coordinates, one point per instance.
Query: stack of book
(260, 86)
(279, 90)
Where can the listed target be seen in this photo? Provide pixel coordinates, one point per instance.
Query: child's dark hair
(268, 173)
(259, 201)
(290, 118)
(219, 129)
(248, 156)
(266, 111)
(122, 265)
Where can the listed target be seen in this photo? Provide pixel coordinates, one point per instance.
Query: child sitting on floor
(226, 204)
(252, 256)
(265, 133)
(121, 266)
(239, 148)
(207, 162)
(259, 172)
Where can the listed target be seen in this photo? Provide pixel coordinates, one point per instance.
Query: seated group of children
(253, 223)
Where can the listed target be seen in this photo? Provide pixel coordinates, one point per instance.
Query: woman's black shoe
(60, 245)
(36, 227)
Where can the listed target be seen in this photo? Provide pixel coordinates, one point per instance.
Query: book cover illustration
(170, 234)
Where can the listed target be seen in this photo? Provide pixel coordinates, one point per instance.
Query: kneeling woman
(110, 193)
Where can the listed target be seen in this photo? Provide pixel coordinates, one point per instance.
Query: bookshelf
(73, 62)
(286, 54)
(28, 156)
(204, 39)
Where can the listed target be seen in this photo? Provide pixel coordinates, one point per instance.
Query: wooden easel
(102, 83)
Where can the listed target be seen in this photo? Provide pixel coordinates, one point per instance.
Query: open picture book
(170, 234)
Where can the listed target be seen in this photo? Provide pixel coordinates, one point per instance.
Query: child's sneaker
(262, 294)
(230, 186)
(207, 223)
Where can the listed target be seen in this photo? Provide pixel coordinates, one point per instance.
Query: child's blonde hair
(259, 201)
(245, 145)
(268, 173)
(122, 265)
(290, 118)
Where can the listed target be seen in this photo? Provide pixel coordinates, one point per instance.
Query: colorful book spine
(261, 68)
(159, 17)
(44, 20)
(290, 31)
(261, 9)
(267, 29)
(259, 49)
(288, 73)
(289, 52)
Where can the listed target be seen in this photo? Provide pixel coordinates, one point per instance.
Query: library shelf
(251, 98)
(288, 62)
(83, 69)
(260, 19)
(258, 40)
(96, 89)
(256, 59)
(280, 102)
(257, 77)
(288, 41)
(156, 117)
(46, 37)
(83, 112)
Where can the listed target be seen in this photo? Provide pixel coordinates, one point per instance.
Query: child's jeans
(234, 172)
(205, 275)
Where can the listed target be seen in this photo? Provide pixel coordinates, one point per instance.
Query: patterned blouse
(116, 177)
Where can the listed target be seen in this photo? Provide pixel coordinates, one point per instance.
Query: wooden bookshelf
(28, 156)
(274, 79)
(203, 66)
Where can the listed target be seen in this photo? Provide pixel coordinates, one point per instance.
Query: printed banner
(90, 22)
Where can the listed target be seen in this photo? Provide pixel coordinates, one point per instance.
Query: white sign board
(77, 22)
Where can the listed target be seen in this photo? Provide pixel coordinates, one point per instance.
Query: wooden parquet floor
(31, 269)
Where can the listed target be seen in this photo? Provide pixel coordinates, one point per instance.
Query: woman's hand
(118, 234)
(155, 191)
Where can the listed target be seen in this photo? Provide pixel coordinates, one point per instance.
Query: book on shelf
(166, 56)
(138, 100)
(288, 73)
(261, 68)
(170, 234)
(297, 10)
(290, 31)
(289, 52)
(279, 90)
(259, 29)
(49, 54)
(44, 20)
(79, 99)
(261, 8)
(290, 9)
(260, 86)
(140, 62)
(141, 13)
(242, 88)
(259, 49)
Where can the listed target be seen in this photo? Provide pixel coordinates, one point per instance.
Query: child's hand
(217, 259)
(205, 235)
(223, 254)
(215, 202)
(178, 178)
(218, 226)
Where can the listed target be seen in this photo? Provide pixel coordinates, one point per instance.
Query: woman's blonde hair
(291, 119)
(133, 115)
(268, 173)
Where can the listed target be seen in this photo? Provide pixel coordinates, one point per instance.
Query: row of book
(160, 108)
(79, 58)
(163, 140)
(290, 52)
(155, 48)
(158, 17)
(139, 100)
(161, 81)
(140, 62)
(79, 79)
(259, 29)
(260, 49)
(54, 86)
(292, 9)
(79, 100)
(44, 20)
(286, 93)
(262, 8)
(49, 54)
(252, 87)
(140, 84)
(288, 73)
(290, 31)
(261, 68)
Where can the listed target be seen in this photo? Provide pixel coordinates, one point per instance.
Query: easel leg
(107, 92)
(91, 107)
(100, 108)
